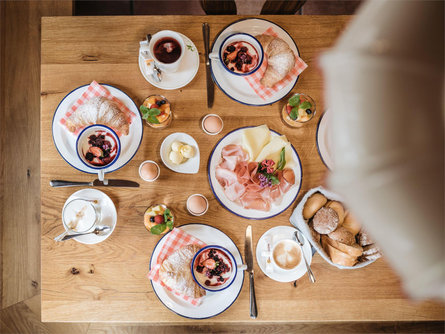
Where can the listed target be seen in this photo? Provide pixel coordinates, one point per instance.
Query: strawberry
(209, 263)
(159, 219)
(96, 151)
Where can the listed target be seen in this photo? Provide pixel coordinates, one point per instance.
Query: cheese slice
(272, 151)
(254, 139)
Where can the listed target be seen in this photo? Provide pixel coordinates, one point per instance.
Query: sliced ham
(240, 180)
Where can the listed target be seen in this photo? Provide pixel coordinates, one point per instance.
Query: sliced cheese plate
(191, 165)
(236, 137)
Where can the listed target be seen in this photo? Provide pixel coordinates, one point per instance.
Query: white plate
(323, 140)
(236, 87)
(187, 69)
(213, 303)
(235, 137)
(107, 211)
(65, 141)
(282, 232)
(191, 166)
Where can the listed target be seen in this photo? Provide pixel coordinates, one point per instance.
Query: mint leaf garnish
(149, 114)
(305, 105)
(158, 229)
(282, 161)
(152, 119)
(167, 215)
(294, 100)
(170, 225)
(294, 113)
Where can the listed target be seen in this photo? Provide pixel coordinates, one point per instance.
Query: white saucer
(213, 303)
(323, 140)
(191, 166)
(182, 77)
(107, 210)
(282, 276)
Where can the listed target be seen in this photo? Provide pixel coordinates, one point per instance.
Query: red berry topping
(159, 219)
(288, 109)
(209, 263)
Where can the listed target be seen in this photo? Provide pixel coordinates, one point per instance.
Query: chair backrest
(219, 7)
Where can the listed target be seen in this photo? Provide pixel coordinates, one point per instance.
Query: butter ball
(187, 151)
(176, 146)
(175, 157)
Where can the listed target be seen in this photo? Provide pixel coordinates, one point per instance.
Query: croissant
(280, 59)
(98, 110)
(176, 274)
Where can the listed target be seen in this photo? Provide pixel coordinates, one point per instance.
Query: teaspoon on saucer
(98, 231)
(300, 239)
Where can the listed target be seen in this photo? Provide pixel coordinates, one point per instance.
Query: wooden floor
(19, 199)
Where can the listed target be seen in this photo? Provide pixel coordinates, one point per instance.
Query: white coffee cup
(285, 255)
(166, 67)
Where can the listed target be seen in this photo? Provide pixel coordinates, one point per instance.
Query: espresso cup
(82, 147)
(164, 46)
(285, 255)
(239, 37)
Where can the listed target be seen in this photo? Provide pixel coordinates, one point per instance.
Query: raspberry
(159, 219)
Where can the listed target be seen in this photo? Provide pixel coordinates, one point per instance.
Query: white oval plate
(65, 141)
(107, 210)
(191, 166)
(236, 87)
(235, 137)
(282, 232)
(186, 72)
(322, 139)
(213, 303)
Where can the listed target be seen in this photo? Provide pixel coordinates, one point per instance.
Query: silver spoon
(300, 239)
(157, 74)
(98, 231)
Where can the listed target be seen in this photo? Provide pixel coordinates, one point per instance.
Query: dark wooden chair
(270, 7)
(219, 7)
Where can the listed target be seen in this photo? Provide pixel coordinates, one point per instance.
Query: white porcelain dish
(65, 141)
(236, 87)
(183, 76)
(299, 222)
(235, 137)
(282, 276)
(107, 211)
(191, 166)
(323, 140)
(213, 303)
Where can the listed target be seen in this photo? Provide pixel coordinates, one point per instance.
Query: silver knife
(248, 256)
(210, 86)
(95, 183)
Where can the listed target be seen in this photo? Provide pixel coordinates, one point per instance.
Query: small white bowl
(211, 133)
(190, 166)
(157, 166)
(194, 213)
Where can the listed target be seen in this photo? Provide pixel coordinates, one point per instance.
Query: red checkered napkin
(174, 240)
(266, 92)
(94, 89)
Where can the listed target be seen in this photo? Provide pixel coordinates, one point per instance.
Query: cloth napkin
(93, 90)
(265, 92)
(174, 240)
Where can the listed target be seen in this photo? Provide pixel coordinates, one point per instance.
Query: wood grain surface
(111, 284)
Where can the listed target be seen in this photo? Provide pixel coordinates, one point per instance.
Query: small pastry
(351, 224)
(370, 249)
(353, 250)
(342, 235)
(339, 209)
(325, 220)
(364, 239)
(313, 204)
(338, 256)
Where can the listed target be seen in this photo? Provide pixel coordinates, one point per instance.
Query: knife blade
(95, 183)
(248, 257)
(210, 85)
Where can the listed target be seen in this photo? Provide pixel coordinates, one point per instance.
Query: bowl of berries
(214, 268)
(158, 219)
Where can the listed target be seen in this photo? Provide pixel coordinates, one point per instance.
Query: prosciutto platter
(260, 187)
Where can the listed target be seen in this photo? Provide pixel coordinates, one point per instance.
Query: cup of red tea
(98, 147)
(167, 49)
(240, 54)
(214, 268)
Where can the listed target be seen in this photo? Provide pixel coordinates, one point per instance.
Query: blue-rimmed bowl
(83, 137)
(234, 272)
(239, 37)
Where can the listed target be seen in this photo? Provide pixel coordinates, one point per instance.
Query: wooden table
(111, 284)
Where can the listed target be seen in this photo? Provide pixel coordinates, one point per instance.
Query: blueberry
(207, 282)
(89, 156)
(308, 111)
(230, 48)
(152, 219)
(163, 102)
(244, 49)
(221, 279)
